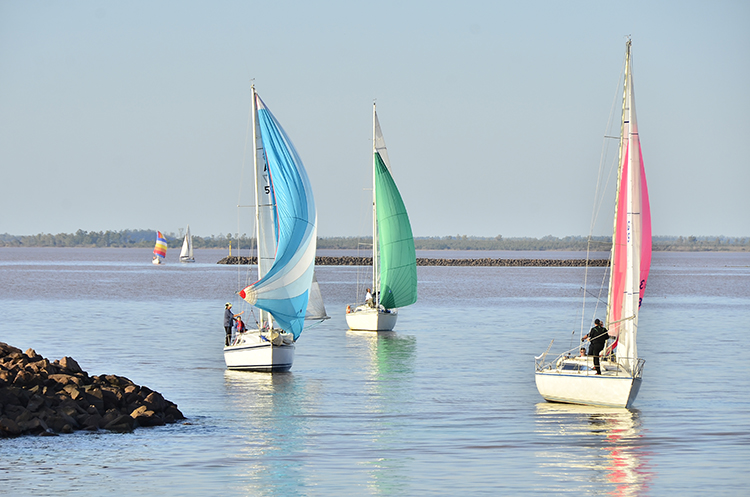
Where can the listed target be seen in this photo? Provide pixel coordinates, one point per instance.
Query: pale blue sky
(117, 115)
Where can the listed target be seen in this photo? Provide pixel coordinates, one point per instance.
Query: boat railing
(540, 363)
(364, 306)
(609, 364)
(639, 368)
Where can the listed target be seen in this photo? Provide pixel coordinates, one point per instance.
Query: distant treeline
(577, 243)
(117, 239)
(146, 238)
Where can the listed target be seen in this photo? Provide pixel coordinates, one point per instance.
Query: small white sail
(316, 309)
(186, 254)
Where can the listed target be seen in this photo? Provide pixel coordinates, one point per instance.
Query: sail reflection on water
(388, 380)
(268, 445)
(596, 446)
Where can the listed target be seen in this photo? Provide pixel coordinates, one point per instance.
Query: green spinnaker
(398, 259)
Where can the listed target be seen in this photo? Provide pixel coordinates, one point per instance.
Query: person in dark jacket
(228, 322)
(598, 337)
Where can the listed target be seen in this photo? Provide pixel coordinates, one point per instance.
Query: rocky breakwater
(46, 398)
(421, 261)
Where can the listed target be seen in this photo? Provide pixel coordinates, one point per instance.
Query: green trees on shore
(577, 243)
(146, 238)
(117, 239)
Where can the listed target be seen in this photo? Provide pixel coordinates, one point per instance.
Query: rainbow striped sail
(160, 249)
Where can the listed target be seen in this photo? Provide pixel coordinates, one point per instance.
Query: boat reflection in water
(388, 379)
(592, 448)
(268, 446)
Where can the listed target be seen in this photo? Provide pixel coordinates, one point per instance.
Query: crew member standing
(598, 337)
(228, 321)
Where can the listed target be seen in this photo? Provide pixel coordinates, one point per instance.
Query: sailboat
(186, 254)
(394, 260)
(573, 379)
(160, 249)
(286, 224)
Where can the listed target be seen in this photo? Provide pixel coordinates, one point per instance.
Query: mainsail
(631, 240)
(284, 289)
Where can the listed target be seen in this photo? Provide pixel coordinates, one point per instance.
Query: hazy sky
(132, 114)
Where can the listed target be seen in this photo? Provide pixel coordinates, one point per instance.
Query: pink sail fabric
(619, 252)
(631, 240)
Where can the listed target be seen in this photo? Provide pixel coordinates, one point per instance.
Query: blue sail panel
(286, 312)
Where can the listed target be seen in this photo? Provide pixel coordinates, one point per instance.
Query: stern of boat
(366, 318)
(254, 351)
(573, 380)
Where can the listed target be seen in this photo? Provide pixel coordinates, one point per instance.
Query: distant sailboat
(573, 379)
(316, 309)
(394, 268)
(186, 254)
(160, 249)
(286, 223)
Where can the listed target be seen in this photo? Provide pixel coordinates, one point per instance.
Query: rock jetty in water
(422, 261)
(39, 397)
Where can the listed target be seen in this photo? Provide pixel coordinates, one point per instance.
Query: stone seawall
(367, 261)
(39, 397)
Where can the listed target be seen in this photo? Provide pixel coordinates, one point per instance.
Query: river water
(445, 405)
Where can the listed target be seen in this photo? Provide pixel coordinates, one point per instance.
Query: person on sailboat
(598, 338)
(368, 298)
(229, 319)
(240, 325)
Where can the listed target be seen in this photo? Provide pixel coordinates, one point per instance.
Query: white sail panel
(264, 207)
(316, 309)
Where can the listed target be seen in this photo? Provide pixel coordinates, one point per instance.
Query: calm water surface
(446, 405)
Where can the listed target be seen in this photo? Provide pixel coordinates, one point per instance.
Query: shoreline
(423, 261)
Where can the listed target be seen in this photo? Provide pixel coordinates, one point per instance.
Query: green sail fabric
(398, 259)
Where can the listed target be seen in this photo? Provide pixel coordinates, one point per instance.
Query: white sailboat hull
(186, 258)
(365, 318)
(249, 352)
(587, 389)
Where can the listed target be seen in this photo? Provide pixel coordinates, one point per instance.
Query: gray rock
(39, 397)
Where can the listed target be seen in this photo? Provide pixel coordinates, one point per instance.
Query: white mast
(257, 149)
(375, 252)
